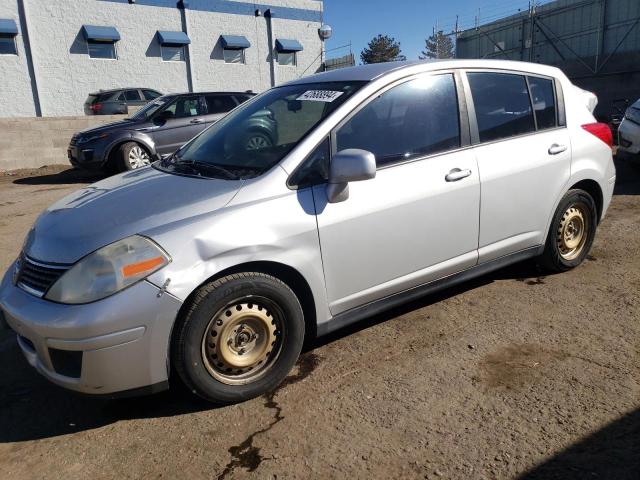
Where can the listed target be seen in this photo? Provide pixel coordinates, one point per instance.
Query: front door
(417, 220)
(179, 122)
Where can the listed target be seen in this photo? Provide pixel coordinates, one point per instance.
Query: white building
(54, 53)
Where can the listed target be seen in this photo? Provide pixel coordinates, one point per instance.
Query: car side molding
(378, 306)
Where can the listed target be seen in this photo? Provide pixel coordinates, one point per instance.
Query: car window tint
(119, 97)
(187, 107)
(502, 104)
(242, 98)
(544, 104)
(315, 169)
(132, 95)
(150, 94)
(220, 103)
(414, 119)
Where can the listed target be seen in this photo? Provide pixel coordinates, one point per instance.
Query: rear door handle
(197, 120)
(555, 149)
(457, 174)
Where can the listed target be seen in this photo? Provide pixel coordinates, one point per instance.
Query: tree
(438, 45)
(382, 49)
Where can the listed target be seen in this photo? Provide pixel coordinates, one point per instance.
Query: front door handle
(457, 174)
(197, 120)
(555, 149)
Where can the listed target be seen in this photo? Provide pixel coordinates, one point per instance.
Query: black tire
(125, 161)
(553, 259)
(192, 331)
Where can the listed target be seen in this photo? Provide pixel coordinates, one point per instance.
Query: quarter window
(502, 104)
(287, 59)
(414, 119)
(102, 49)
(8, 45)
(233, 55)
(173, 53)
(544, 104)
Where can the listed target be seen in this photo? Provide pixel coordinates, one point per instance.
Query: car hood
(109, 127)
(120, 206)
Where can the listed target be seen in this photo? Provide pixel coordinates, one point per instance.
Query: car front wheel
(572, 232)
(133, 156)
(239, 337)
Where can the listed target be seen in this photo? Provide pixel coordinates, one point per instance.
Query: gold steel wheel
(573, 231)
(242, 341)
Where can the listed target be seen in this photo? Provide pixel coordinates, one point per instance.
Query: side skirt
(377, 306)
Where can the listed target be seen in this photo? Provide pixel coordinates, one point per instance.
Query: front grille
(36, 277)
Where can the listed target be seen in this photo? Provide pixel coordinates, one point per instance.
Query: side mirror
(349, 165)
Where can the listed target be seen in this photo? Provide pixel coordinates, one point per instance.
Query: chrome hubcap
(242, 341)
(256, 143)
(138, 157)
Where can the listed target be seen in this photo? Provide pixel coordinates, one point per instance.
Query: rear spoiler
(590, 99)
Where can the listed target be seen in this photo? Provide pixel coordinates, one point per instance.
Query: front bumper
(88, 156)
(629, 136)
(117, 344)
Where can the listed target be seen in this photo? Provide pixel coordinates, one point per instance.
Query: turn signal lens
(134, 269)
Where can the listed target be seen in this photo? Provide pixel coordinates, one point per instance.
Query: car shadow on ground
(612, 452)
(69, 176)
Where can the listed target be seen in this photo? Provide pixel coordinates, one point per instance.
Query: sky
(408, 21)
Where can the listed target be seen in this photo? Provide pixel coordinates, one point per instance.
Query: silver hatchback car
(387, 182)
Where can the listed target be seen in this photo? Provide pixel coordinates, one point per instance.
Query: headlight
(108, 270)
(633, 114)
(92, 138)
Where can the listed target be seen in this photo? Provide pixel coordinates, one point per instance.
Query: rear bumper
(629, 136)
(117, 344)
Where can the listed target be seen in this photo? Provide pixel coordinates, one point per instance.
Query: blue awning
(284, 45)
(234, 42)
(173, 38)
(8, 27)
(100, 34)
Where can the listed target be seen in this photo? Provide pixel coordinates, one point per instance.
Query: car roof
(373, 71)
(112, 90)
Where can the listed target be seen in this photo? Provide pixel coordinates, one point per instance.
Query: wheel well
(593, 189)
(290, 276)
(111, 158)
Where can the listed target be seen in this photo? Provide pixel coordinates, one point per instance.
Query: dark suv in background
(159, 128)
(118, 101)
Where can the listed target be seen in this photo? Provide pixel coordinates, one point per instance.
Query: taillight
(96, 107)
(600, 130)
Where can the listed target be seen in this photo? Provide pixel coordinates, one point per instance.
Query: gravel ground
(515, 375)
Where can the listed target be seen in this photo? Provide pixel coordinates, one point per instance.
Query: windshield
(261, 132)
(150, 108)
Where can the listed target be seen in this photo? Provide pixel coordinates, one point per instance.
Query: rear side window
(414, 119)
(502, 104)
(544, 102)
(220, 103)
(132, 95)
(150, 94)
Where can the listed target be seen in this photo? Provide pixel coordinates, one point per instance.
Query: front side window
(287, 59)
(219, 103)
(502, 104)
(233, 55)
(132, 95)
(185, 107)
(544, 102)
(150, 94)
(102, 49)
(411, 120)
(258, 134)
(8, 45)
(173, 53)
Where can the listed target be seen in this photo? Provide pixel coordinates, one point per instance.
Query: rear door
(415, 221)
(178, 122)
(218, 105)
(524, 157)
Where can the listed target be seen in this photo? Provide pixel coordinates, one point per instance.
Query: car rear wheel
(133, 155)
(572, 232)
(239, 338)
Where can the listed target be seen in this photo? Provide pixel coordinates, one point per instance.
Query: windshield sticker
(319, 95)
